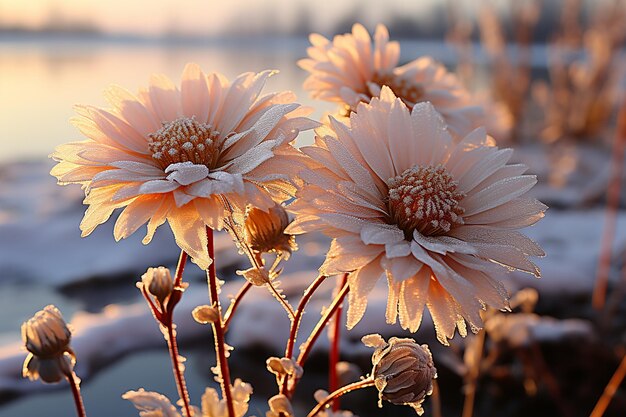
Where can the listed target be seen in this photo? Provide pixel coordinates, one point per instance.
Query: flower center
(182, 140)
(424, 198)
(408, 91)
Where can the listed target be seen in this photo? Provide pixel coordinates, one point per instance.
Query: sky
(199, 16)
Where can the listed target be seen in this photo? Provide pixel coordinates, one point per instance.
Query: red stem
(338, 393)
(167, 320)
(334, 336)
(308, 345)
(295, 324)
(178, 373)
(78, 399)
(182, 260)
(228, 316)
(218, 329)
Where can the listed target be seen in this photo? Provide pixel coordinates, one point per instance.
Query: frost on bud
(280, 406)
(256, 276)
(265, 231)
(158, 282)
(47, 338)
(284, 368)
(205, 314)
(403, 371)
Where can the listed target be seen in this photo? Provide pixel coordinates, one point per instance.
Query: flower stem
(609, 390)
(613, 196)
(78, 399)
(167, 320)
(218, 329)
(295, 324)
(338, 393)
(228, 316)
(181, 385)
(308, 345)
(334, 337)
(472, 376)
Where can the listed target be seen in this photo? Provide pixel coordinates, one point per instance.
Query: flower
(158, 282)
(402, 199)
(351, 69)
(265, 230)
(47, 338)
(403, 371)
(178, 155)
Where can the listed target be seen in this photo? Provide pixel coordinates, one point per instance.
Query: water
(40, 80)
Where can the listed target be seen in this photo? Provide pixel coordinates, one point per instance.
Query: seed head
(403, 371)
(265, 230)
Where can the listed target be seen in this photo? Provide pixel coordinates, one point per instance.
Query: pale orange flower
(351, 69)
(403, 200)
(175, 155)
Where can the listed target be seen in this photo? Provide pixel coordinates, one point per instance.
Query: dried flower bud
(205, 314)
(280, 406)
(403, 370)
(158, 282)
(265, 231)
(47, 338)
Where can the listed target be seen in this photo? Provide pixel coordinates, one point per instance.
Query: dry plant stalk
(510, 74)
(584, 72)
(612, 205)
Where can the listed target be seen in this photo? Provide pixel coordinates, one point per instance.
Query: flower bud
(158, 282)
(265, 231)
(403, 371)
(47, 338)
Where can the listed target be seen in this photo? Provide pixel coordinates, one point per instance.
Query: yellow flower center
(424, 198)
(182, 140)
(406, 90)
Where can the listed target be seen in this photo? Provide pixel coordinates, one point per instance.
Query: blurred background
(550, 73)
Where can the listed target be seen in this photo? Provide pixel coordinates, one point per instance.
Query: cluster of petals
(353, 68)
(183, 155)
(449, 265)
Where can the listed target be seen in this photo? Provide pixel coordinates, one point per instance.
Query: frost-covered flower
(47, 340)
(353, 69)
(170, 154)
(402, 199)
(403, 371)
(158, 282)
(265, 230)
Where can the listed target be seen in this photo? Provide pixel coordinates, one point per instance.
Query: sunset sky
(204, 16)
